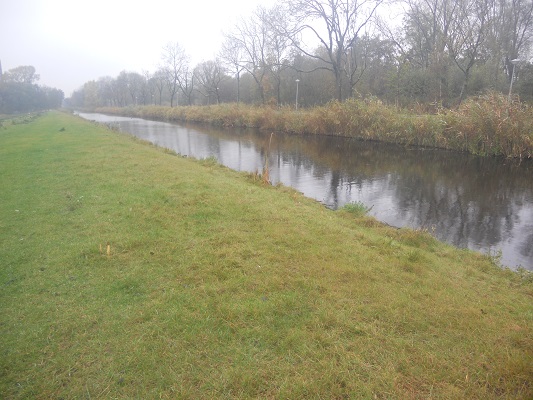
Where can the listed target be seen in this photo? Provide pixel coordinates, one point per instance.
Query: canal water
(485, 204)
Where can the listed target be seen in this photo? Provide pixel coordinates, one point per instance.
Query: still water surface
(485, 204)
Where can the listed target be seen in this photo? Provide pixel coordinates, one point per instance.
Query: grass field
(129, 272)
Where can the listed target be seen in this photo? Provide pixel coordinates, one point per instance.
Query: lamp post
(514, 62)
(297, 81)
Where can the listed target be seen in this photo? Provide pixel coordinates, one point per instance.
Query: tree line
(20, 93)
(443, 51)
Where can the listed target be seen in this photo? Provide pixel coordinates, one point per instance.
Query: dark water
(485, 204)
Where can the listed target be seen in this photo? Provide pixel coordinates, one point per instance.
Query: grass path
(217, 286)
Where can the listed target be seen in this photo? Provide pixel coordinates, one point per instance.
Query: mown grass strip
(217, 285)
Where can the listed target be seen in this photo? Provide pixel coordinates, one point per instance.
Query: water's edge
(484, 204)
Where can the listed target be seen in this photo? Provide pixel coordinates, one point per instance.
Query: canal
(484, 204)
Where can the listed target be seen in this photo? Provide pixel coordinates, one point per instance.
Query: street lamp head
(515, 61)
(297, 80)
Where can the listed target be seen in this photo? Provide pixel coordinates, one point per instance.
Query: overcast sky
(70, 42)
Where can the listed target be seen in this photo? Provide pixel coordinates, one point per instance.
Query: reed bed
(488, 125)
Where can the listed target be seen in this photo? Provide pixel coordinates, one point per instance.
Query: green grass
(219, 286)
(357, 208)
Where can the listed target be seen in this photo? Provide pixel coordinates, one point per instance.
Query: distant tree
(23, 74)
(379, 59)
(91, 95)
(148, 89)
(186, 82)
(76, 100)
(135, 84)
(257, 47)
(443, 51)
(513, 31)
(19, 92)
(158, 81)
(120, 89)
(279, 45)
(445, 44)
(466, 37)
(16, 98)
(250, 39)
(525, 82)
(337, 25)
(209, 75)
(232, 54)
(175, 62)
(426, 62)
(105, 90)
(317, 83)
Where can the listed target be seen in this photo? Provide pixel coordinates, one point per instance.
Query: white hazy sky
(70, 42)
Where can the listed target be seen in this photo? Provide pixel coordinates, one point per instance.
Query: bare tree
(186, 82)
(440, 34)
(468, 30)
(231, 54)
(249, 40)
(135, 83)
(209, 75)
(147, 90)
(158, 81)
(279, 45)
(513, 30)
(336, 24)
(120, 89)
(175, 62)
(427, 24)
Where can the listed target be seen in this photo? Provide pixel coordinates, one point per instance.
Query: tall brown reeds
(490, 124)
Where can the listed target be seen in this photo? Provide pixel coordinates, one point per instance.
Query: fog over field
(70, 42)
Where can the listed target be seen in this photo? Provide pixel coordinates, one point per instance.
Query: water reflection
(484, 204)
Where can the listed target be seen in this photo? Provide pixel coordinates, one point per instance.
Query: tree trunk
(338, 80)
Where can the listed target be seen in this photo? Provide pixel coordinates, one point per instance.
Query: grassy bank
(487, 125)
(215, 285)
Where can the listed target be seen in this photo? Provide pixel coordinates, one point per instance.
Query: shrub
(357, 208)
(492, 125)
